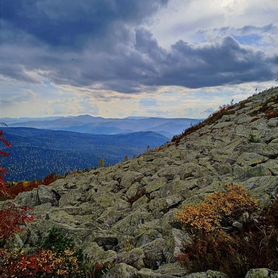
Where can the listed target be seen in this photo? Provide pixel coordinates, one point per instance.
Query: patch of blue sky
(250, 39)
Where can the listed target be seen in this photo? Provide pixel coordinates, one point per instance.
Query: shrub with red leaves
(11, 190)
(44, 263)
(3, 171)
(12, 219)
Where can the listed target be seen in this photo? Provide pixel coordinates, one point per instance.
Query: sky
(120, 58)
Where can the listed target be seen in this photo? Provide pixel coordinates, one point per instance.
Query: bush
(217, 209)
(3, 171)
(230, 233)
(57, 241)
(12, 220)
(44, 263)
(57, 257)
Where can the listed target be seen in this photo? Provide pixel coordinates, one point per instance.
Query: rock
(244, 119)
(48, 195)
(261, 273)
(147, 235)
(222, 125)
(130, 177)
(131, 222)
(273, 122)
(237, 225)
(30, 198)
(70, 198)
(155, 253)
(208, 274)
(180, 238)
(172, 269)
(250, 159)
(135, 258)
(107, 242)
(155, 185)
(38, 196)
(272, 166)
(133, 190)
(95, 254)
(148, 273)
(121, 270)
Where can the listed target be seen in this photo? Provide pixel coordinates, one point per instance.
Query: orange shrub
(233, 202)
(218, 245)
(201, 217)
(209, 215)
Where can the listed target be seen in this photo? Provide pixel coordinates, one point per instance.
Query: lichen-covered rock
(208, 274)
(134, 257)
(148, 273)
(261, 273)
(121, 270)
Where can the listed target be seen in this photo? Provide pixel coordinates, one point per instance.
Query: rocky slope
(125, 213)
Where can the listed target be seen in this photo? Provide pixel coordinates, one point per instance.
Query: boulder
(121, 270)
(208, 274)
(261, 273)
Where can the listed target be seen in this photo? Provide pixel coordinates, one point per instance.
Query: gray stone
(250, 159)
(148, 273)
(134, 257)
(261, 273)
(208, 274)
(121, 270)
(130, 177)
(154, 253)
(222, 125)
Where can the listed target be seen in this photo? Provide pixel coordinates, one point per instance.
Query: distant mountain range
(96, 125)
(37, 153)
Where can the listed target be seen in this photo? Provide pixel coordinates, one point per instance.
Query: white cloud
(182, 19)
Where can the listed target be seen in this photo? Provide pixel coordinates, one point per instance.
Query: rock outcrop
(125, 213)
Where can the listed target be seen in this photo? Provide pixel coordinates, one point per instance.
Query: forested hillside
(37, 153)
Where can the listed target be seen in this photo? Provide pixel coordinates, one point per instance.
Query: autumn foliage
(230, 233)
(210, 215)
(11, 190)
(40, 263)
(12, 221)
(44, 263)
(3, 171)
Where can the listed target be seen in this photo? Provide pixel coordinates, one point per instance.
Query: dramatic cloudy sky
(118, 58)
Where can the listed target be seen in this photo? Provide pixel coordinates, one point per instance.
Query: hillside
(109, 126)
(36, 153)
(124, 214)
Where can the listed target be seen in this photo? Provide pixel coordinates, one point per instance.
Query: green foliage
(57, 240)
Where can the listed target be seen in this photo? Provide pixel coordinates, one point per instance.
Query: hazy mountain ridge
(37, 153)
(97, 125)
